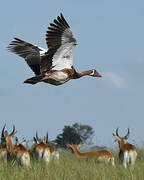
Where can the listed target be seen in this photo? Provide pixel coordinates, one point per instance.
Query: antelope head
(7, 138)
(74, 145)
(68, 145)
(121, 140)
(80, 144)
(37, 139)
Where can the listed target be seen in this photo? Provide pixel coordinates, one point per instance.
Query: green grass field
(70, 168)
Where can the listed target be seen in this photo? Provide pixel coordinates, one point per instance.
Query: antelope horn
(35, 139)
(2, 135)
(127, 135)
(16, 140)
(117, 132)
(47, 138)
(13, 131)
(37, 135)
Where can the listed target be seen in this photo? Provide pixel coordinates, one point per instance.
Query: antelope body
(41, 150)
(127, 152)
(101, 155)
(54, 152)
(18, 152)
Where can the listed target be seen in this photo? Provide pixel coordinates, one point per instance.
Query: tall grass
(70, 168)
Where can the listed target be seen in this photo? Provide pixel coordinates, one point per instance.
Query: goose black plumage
(55, 65)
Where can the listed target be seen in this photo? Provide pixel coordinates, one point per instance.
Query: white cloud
(114, 79)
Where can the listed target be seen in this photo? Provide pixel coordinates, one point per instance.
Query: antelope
(21, 152)
(18, 152)
(101, 155)
(41, 150)
(54, 152)
(127, 152)
(3, 150)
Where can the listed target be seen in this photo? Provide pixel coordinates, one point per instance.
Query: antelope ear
(13, 133)
(44, 139)
(2, 134)
(128, 134)
(5, 134)
(114, 135)
(118, 138)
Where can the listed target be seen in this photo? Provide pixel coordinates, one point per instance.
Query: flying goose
(55, 65)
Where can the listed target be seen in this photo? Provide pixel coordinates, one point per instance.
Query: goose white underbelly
(57, 78)
(60, 76)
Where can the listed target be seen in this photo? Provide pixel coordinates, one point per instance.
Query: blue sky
(110, 37)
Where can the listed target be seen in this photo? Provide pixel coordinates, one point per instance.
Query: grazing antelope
(41, 150)
(55, 65)
(127, 152)
(18, 152)
(101, 155)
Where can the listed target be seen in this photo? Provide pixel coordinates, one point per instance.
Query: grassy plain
(70, 168)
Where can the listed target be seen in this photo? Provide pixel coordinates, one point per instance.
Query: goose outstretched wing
(60, 41)
(29, 52)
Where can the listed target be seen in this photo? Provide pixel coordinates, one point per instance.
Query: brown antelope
(41, 150)
(54, 152)
(101, 155)
(127, 152)
(3, 150)
(18, 152)
(22, 154)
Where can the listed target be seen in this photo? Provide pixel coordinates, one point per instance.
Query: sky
(110, 36)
